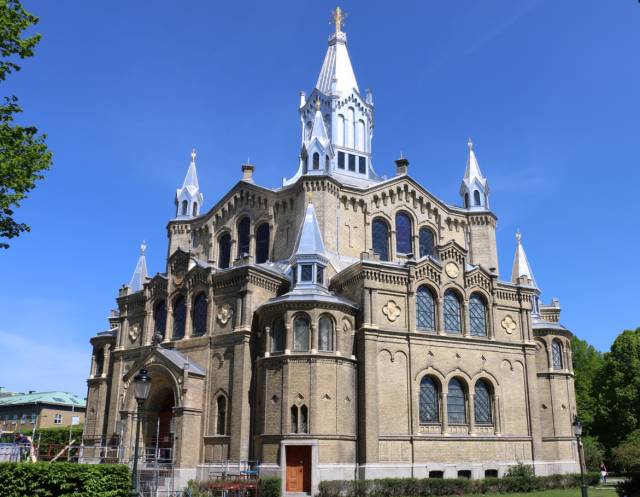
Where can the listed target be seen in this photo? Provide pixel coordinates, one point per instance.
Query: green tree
(618, 387)
(627, 454)
(587, 362)
(23, 153)
(593, 453)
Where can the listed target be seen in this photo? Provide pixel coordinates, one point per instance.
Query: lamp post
(142, 385)
(577, 431)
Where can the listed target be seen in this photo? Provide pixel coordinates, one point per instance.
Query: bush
(64, 480)
(627, 454)
(629, 487)
(270, 487)
(54, 436)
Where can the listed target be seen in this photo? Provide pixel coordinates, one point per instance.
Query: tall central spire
(337, 76)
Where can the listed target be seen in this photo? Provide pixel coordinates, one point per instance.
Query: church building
(343, 325)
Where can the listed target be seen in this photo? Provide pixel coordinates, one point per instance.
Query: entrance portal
(159, 426)
(298, 473)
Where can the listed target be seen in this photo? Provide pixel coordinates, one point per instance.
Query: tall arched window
(351, 128)
(404, 234)
(316, 160)
(360, 135)
(326, 162)
(427, 244)
(200, 307)
(425, 309)
(456, 410)
(429, 403)
(160, 318)
(294, 419)
(304, 419)
(300, 335)
(466, 200)
(482, 409)
(476, 197)
(325, 336)
(556, 354)
(224, 251)
(195, 209)
(262, 243)
(452, 319)
(179, 317)
(185, 207)
(221, 422)
(380, 237)
(243, 236)
(477, 315)
(277, 336)
(99, 362)
(340, 130)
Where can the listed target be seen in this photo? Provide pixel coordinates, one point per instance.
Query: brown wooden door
(298, 468)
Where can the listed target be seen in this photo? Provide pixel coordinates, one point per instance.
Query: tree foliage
(23, 153)
(587, 362)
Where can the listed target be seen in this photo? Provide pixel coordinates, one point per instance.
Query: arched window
(452, 320)
(179, 317)
(404, 233)
(478, 316)
(340, 130)
(466, 200)
(200, 307)
(304, 421)
(224, 251)
(425, 309)
(429, 403)
(326, 162)
(195, 209)
(243, 236)
(221, 422)
(482, 404)
(160, 318)
(99, 362)
(300, 335)
(185, 207)
(294, 419)
(427, 244)
(380, 237)
(277, 336)
(476, 197)
(325, 337)
(360, 135)
(556, 354)
(262, 243)
(457, 413)
(351, 128)
(316, 160)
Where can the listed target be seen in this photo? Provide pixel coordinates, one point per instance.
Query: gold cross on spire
(338, 18)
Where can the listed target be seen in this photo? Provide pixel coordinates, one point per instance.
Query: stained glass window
(300, 335)
(429, 405)
(224, 249)
(482, 403)
(340, 160)
(352, 162)
(221, 405)
(427, 245)
(262, 243)
(278, 336)
(403, 233)
(476, 197)
(179, 317)
(325, 337)
(200, 314)
(457, 413)
(304, 422)
(477, 316)
(319, 274)
(160, 318)
(306, 272)
(380, 237)
(362, 165)
(425, 309)
(294, 419)
(316, 160)
(243, 236)
(452, 321)
(556, 353)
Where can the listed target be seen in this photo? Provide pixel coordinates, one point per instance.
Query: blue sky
(547, 90)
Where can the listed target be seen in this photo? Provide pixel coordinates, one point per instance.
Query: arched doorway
(158, 422)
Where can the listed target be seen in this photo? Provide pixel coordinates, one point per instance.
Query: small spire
(139, 277)
(521, 267)
(309, 238)
(474, 188)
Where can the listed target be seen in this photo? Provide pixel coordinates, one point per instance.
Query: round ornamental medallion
(508, 324)
(225, 313)
(452, 269)
(391, 310)
(134, 332)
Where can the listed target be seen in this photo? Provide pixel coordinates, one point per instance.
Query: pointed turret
(189, 198)
(310, 239)
(336, 75)
(521, 267)
(309, 259)
(474, 189)
(139, 277)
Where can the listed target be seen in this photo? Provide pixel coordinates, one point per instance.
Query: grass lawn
(570, 492)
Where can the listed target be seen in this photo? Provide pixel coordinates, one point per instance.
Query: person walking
(603, 473)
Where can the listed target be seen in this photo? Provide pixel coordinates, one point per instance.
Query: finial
(518, 236)
(193, 155)
(338, 18)
(401, 154)
(470, 144)
(318, 103)
(143, 247)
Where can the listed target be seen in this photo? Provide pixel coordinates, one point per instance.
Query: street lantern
(577, 431)
(141, 385)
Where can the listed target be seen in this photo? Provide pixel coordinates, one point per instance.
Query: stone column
(466, 319)
(494, 322)
(445, 413)
(106, 361)
(440, 316)
(313, 327)
(238, 312)
(211, 312)
(472, 414)
(187, 321)
(168, 331)
(366, 307)
(267, 341)
(288, 337)
(497, 419)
